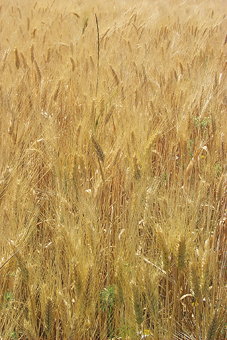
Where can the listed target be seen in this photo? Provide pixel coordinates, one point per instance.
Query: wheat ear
(152, 295)
(4, 182)
(77, 279)
(98, 51)
(137, 306)
(195, 280)
(49, 316)
(181, 254)
(137, 173)
(98, 149)
(29, 330)
(87, 291)
(115, 75)
(74, 328)
(206, 274)
(63, 313)
(22, 265)
(164, 249)
(212, 328)
(17, 60)
(39, 76)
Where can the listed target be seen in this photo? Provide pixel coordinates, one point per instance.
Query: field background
(113, 177)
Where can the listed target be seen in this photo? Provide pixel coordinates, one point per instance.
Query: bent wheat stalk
(11, 257)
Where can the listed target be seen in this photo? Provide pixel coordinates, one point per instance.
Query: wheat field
(113, 170)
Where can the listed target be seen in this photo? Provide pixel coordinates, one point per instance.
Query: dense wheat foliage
(113, 169)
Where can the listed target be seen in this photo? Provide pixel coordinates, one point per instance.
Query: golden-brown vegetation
(113, 172)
